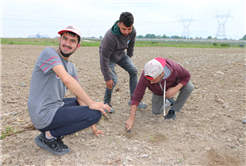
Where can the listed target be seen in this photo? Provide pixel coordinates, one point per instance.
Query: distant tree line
(175, 37)
(167, 37)
(159, 36)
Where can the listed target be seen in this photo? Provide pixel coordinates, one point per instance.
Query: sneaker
(140, 105)
(111, 111)
(171, 115)
(65, 147)
(53, 145)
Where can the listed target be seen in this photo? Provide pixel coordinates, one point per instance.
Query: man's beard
(63, 54)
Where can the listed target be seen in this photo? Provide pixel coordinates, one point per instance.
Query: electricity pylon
(221, 19)
(186, 23)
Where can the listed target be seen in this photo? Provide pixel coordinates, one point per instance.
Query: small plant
(8, 131)
(151, 137)
(180, 160)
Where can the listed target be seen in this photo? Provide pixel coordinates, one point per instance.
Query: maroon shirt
(178, 75)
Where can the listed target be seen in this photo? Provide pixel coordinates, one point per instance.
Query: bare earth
(207, 131)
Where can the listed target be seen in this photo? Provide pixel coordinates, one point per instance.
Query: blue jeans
(127, 64)
(72, 117)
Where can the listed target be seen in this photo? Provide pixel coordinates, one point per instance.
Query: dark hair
(127, 19)
(72, 34)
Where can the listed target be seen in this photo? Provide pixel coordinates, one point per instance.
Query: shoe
(53, 145)
(171, 114)
(65, 147)
(111, 111)
(140, 105)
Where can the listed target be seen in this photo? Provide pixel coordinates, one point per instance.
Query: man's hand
(173, 90)
(129, 124)
(130, 121)
(109, 84)
(100, 106)
(95, 131)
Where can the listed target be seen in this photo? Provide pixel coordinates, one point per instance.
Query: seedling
(151, 137)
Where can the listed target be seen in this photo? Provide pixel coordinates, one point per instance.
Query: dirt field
(207, 131)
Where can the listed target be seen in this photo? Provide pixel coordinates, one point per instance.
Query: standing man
(51, 113)
(164, 78)
(112, 51)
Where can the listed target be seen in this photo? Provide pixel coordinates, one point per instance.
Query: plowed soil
(207, 131)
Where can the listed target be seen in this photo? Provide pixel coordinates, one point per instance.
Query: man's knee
(133, 72)
(115, 82)
(189, 87)
(157, 111)
(96, 116)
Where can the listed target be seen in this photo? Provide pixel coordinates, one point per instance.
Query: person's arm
(130, 121)
(75, 87)
(136, 98)
(106, 50)
(173, 90)
(131, 44)
(181, 74)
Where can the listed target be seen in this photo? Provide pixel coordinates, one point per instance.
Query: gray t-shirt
(47, 90)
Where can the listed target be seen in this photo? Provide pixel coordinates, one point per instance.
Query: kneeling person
(164, 78)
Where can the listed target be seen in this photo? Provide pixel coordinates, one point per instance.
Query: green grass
(8, 131)
(139, 43)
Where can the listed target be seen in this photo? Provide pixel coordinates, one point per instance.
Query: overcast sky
(23, 18)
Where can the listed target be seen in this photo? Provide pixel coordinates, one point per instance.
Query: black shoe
(171, 115)
(53, 145)
(64, 147)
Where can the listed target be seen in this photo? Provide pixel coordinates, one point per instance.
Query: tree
(175, 37)
(150, 36)
(209, 37)
(244, 37)
(140, 36)
(165, 36)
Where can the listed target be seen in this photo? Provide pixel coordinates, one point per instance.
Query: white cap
(154, 68)
(71, 28)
